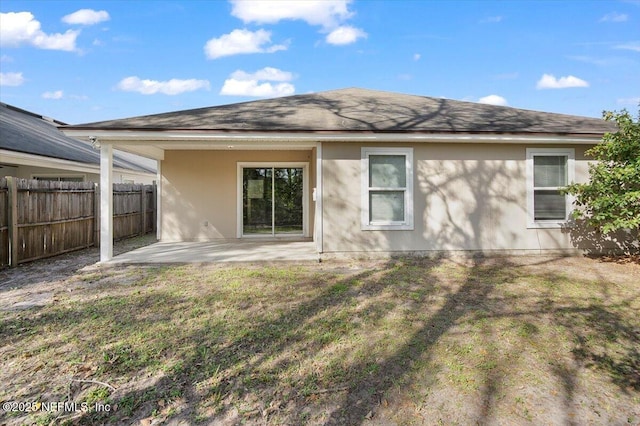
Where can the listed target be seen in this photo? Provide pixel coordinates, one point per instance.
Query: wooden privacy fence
(40, 219)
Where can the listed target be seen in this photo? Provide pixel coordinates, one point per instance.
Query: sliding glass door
(257, 189)
(287, 209)
(272, 201)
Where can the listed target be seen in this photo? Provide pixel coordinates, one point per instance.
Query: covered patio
(221, 251)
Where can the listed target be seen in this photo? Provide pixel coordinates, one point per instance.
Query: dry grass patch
(518, 341)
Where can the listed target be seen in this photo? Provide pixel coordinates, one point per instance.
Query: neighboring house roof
(29, 133)
(361, 110)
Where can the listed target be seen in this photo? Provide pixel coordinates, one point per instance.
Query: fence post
(143, 208)
(13, 220)
(96, 214)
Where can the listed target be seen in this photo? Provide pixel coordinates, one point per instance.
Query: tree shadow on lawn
(364, 396)
(234, 362)
(601, 330)
(253, 359)
(287, 358)
(598, 330)
(610, 327)
(589, 326)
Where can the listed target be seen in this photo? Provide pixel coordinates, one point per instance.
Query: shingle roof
(29, 133)
(361, 110)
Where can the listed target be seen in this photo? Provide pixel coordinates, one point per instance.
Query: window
(387, 188)
(548, 171)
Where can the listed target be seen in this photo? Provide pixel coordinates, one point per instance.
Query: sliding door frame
(305, 197)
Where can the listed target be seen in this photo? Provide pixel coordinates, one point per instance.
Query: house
(32, 147)
(363, 171)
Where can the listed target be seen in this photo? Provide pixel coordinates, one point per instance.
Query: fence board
(57, 217)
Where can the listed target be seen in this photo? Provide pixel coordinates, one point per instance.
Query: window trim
(407, 223)
(551, 152)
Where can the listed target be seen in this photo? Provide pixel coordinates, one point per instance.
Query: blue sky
(89, 61)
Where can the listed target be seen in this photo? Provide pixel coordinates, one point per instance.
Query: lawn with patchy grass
(527, 340)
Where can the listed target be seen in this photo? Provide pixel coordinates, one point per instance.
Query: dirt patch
(36, 284)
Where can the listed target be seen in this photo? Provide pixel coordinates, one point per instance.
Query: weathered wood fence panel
(4, 223)
(53, 217)
(46, 218)
(128, 212)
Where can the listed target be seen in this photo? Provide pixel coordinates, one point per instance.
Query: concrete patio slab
(221, 251)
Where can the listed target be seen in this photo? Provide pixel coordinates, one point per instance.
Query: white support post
(318, 217)
(106, 202)
(159, 201)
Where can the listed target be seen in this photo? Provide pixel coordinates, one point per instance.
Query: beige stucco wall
(199, 191)
(466, 197)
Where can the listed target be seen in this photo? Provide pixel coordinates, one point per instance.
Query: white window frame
(407, 223)
(535, 152)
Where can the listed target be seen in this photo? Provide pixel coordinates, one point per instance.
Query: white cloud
(171, 87)
(242, 83)
(233, 87)
(632, 45)
(326, 13)
(417, 56)
(20, 28)
(345, 35)
(548, 81)
(11, 78)
(241, 42)
(614, 17)
(58, 94)
(86, 17)
(629, 101)
(6, 59)
(493, 100)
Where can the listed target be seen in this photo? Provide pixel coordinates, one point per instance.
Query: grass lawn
(528, 340)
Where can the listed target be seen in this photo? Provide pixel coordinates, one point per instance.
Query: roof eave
(18, 158)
